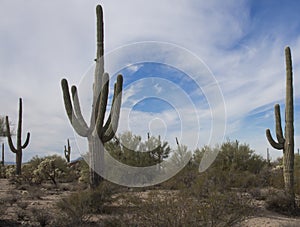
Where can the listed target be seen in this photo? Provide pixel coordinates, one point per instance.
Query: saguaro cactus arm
(10, 142)
(77, 107)
(19, 135)
(26, 141)
(102, 104)
(280, 144)
(112, 122)
(78, 123)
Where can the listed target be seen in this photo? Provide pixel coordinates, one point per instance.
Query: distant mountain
(13, 163)
(9, 163)
(77, 159)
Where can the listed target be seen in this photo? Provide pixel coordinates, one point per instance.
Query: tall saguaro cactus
(98, 132)
(17, 149)
(67, 151)
(286, 142)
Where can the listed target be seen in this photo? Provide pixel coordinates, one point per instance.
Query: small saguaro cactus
(2, 161)
(98, 132)
(268, 157)
(286, 142)
(177, 142)
(67, 151)
(181, 154)
(17, 149)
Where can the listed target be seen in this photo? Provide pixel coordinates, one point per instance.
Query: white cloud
(157, 88)
(133, 68)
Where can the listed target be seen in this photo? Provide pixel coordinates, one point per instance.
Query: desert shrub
(35, 193)
(79, 206)
(280, 202)
(84, 172)
(10, 171)
(12, 197)
(235, 166)
(76, 207)
(184, 179)
(41, 216)
(259, 193)
(22, 204)
(22, 215)
(224, 209)
(264, 176)
(297, 173)
(168, 211)
(28, 169)
(173, 209)
(2, 171)
(131, 150)
(276, 174)
(238, 157)
(2, 207)
(116, 221)
(276, 178)
(218, 204)
(51, 168)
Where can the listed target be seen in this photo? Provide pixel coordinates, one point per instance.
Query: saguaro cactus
(2, 161)
(98, 132)
(286, 142)
(18, 149)
(268, 157)
(67, 151)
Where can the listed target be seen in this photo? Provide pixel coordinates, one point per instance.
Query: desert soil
(48, 197)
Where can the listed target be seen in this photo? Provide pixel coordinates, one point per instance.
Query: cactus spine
(18, 149)
(98, 132)
(67, 151)
(286, 142)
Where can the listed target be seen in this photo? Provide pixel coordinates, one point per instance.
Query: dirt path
(265, 218)
(5, 187)
(271, 221)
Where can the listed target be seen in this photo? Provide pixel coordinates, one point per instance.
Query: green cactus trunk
(286, 142)
(18, 149)
(99, 132)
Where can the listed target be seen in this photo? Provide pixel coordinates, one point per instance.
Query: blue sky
(240, 44)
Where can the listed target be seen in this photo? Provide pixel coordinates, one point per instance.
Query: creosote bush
(280, 202)
(167, 208)
(79, 206)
